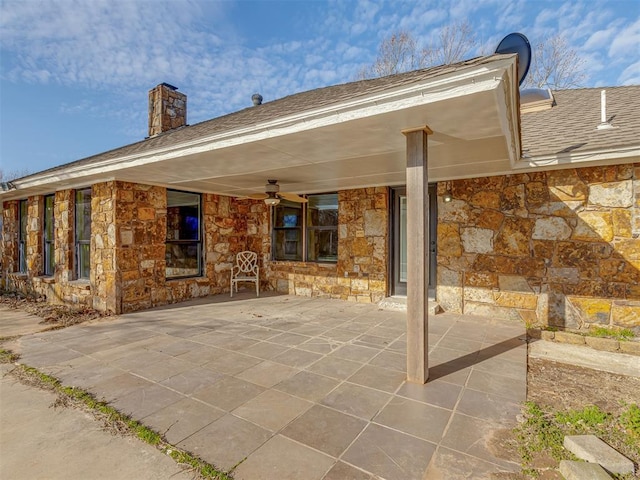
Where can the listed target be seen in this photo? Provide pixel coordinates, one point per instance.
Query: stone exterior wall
(128, 236)
(141, 229)
(63, 221)
(557, 248)
(10, 237)
(103, 274)
(140, 234)
(34, 241)
(62, 287)
(23, 281)
(361, 271)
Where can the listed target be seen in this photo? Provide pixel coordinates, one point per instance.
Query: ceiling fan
(273, 194)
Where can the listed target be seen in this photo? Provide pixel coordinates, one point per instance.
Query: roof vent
(605, 124)
(256, 98)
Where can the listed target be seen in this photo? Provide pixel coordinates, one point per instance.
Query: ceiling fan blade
(292, 197)
(258, 196)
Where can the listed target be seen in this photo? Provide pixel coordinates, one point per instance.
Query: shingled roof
(291, 105)
(570, 126)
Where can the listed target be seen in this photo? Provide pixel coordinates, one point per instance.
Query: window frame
(48, 244)
(79, 244)
(304, 230)
(198, 243)
(23, 223)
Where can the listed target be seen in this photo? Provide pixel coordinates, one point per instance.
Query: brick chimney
(167, 109)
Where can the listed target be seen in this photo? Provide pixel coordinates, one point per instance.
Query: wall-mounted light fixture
(447, 197)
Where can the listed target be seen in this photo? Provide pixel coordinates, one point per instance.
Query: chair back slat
(246, 261)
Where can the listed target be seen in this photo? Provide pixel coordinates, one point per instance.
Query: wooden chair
(246, 269)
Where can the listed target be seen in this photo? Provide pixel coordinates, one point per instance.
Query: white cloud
(630, 75)
(510, 17)
(627, 41)
(101, 43)
(600, 38)
(130, 46)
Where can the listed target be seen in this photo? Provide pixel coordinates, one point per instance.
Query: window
(47, 240)
(183, 253)
(83, 232)
(22, 237)
(322, 228)
(287, 231)
(307, 232)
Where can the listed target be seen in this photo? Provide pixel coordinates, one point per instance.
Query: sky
(75, 74)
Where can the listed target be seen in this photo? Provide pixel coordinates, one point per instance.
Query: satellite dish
(517, 43)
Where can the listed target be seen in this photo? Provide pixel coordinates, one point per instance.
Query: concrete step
(399, 303)
(594, 450)
(582, 471)
(613, 362)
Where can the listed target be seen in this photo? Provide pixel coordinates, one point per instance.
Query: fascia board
(541, 161)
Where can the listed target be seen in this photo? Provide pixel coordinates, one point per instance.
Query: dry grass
(55, 316)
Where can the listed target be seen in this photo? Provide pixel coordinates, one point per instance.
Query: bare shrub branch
(555, 65)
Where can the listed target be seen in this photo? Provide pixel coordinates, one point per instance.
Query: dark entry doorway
(399, 239)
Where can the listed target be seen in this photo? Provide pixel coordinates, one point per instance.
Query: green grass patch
(7, 356)
(541, 434)
(610, 332)
(590, 417)
(117, 421)
(630, 420)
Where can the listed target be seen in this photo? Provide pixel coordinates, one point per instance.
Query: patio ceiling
(472, 111)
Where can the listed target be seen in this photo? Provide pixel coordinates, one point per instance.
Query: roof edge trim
(543, 161)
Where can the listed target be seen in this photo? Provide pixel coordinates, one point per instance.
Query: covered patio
(284, 387)
(435, 125)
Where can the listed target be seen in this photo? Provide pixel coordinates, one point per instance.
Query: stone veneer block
(547, 335)
(551, 228)
(594, 226)
(568, 337)
(514, 283)
(632, 348)
(534, 333)
(477, 240)
(606, 344)
(592, 310)
(615, 194)
(626, 314)
(527, 301)
(582, 471)
(592, 449)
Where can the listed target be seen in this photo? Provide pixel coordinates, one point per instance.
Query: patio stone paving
(282, 387)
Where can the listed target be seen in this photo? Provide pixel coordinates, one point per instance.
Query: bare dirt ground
(562, 387)
(55, 316)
